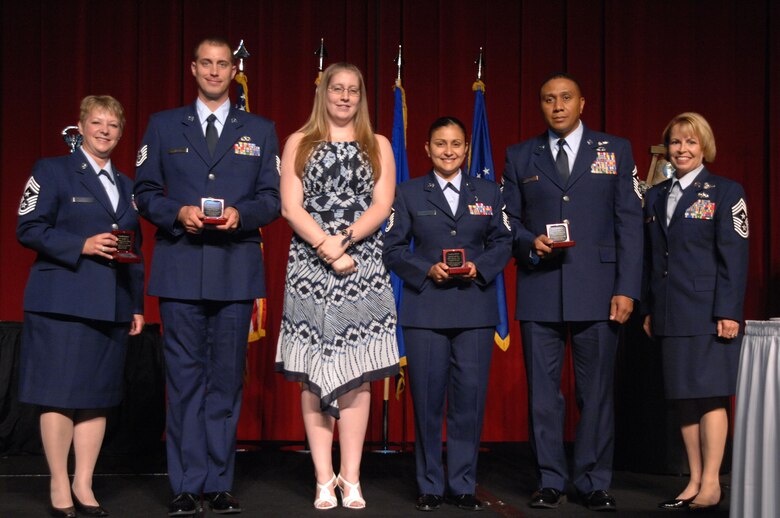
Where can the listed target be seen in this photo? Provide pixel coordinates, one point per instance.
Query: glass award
(213, 210)
(559, 233)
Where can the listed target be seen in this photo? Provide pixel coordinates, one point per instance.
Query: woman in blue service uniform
(79, 303)
(448, 320)
(696, 260)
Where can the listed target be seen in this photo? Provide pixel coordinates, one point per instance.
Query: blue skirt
(700, 366)
(70, 362)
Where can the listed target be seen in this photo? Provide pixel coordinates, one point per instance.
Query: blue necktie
(105, 173)
(562, 162)
(211, 134)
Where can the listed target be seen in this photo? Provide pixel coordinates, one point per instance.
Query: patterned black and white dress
(337, 331)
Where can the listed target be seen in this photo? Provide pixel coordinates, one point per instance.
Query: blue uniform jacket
(602, 204)
(696, 268)
(422, 216)
(63, 204)
(174, 169)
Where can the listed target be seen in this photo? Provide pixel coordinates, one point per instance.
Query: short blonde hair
(699, 127)
(102, 102)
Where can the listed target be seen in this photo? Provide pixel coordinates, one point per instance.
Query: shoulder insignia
(637, 184)
(390, 221)
(29, 197)
(505, 218)
(143, 153)
(278, 165)
(739, 217)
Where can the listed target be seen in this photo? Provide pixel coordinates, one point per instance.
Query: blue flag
(401, 175)
(481, 166)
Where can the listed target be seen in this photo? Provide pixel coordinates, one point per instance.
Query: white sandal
(325, 498)
(352, 499)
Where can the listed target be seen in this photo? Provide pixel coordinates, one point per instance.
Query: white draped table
(755, 471)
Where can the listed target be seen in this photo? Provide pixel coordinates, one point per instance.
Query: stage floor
(274, 480)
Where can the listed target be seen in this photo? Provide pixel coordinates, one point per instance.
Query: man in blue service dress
(206, 272)
(587, 180)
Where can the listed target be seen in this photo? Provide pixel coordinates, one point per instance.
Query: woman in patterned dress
(338, 329)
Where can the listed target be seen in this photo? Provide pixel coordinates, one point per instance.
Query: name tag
(82, 199)
(531, 179)
(174, 150)
(426, 212)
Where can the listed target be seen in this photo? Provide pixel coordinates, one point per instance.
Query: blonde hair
(699, 127)
(316, 129)
(102, 102)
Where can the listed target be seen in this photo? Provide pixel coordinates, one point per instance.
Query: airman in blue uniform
(696, 263)
(206, 275)
(587, 180)
(448, 320)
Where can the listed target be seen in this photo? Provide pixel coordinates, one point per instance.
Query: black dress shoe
(62, 512)
(89, 510)
(599, 500)
(547, 498)
(185, 504)
(426, 502)
(466, 501)
(223, 503)
(676, 503)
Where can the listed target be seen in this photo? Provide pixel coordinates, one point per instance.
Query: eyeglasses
(339, 90)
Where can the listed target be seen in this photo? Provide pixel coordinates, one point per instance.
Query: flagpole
(321, 54)
(386, 389)
(481, 165)
(241, 53)
(480, 64)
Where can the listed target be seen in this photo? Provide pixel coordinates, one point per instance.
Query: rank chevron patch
(30, 197)
(739, 216)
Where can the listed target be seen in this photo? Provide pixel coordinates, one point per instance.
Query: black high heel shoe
(676, 503)
(62, 512)
(89, 510)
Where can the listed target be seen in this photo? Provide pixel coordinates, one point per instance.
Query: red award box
(455, 259)
(125, 244)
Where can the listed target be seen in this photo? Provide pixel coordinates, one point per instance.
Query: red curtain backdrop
(639, 63)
